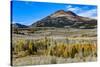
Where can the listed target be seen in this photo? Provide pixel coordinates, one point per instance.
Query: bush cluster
(50, 47)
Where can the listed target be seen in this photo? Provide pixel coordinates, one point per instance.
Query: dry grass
(50, 50)
(50, 47)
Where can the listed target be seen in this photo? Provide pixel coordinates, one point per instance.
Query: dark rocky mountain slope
(63, 18)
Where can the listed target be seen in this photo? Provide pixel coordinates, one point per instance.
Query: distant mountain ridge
(63, 18)
(18, 25)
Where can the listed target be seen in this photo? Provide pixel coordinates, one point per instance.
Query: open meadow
(53, 46)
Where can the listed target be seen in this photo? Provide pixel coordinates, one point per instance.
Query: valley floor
(54, 47)
(40, 60)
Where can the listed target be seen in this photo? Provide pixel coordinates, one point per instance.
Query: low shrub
(46, 47)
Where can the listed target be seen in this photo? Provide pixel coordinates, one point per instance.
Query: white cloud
(74, 9)
(69, 6)
(92, 13)
(89, 13)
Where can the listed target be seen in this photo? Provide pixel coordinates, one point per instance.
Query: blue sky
(28, 12)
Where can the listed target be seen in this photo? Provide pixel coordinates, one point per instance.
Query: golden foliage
(46, 47)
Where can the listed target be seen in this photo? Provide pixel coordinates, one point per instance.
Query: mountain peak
(71, 13)
(61, 13)
(63, 18)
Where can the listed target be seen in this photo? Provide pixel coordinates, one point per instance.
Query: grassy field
(53, 46)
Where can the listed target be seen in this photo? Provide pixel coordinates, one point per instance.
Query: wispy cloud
(89, 13)
(83, 11)
(74, 9)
